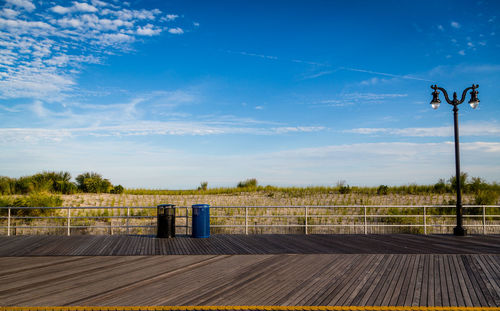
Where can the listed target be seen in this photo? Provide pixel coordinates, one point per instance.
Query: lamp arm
(464, 93)
(445, 95)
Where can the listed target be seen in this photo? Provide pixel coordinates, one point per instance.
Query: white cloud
(468, 129)
(38, 109)
(77, 7)
(99, 3)
(171, 17)
(113, 38)
(407, 77)
(22, 25)
(176, 31)
(455, 25)
(256, 55)
(259, 107)
(84, 7)
(26, 4)
(141, 128)
(461, 52)
(60, 10)
(9, 13)
(349, 99)
(440, 27)
(43, 47)
(148, 30)
(70, 22)
(319, 74)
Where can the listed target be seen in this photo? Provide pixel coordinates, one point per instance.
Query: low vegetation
(57, 183)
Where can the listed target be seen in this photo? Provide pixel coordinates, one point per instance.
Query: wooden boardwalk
(122, 245)
(396, 270)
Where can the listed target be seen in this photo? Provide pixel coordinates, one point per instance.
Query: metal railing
(243, 219)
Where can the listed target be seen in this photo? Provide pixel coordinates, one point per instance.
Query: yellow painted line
(272, 308)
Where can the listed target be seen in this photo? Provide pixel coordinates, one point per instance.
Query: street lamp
(473, 102)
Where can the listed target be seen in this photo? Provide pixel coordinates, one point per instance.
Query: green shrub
(117, 189)
(463, 182)
(32, 200)
(93, 183)
(486, 197)
(7, 185)
(249, 183)
(440, 187)
(382, 190)
(203, 186)
(477, 185)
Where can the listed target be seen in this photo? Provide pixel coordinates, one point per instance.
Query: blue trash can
(201, 221)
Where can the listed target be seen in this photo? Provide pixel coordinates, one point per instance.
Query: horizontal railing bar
(240, 226)
(81, 207)
(75, 217)
(276, 206)
(250, 216)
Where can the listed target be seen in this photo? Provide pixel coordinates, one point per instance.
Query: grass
(272, 196)
(264, 197)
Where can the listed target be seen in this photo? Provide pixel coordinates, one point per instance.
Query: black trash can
(165, 221)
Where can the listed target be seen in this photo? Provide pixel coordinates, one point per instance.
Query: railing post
(128, 217)
(484, 219)
(187, 219)
(246, 220)
(307, 216)
(8, 222)
(425, 221)
(366, 228)
(69, 221)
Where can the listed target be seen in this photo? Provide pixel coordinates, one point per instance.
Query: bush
(440, 187)
(383, 190)
(117, 189)
(249, 183)
(7, 185)
(477, 185)
(33, 200)
(343, 188)
(93, 183)
(203, 186)
(486, 197)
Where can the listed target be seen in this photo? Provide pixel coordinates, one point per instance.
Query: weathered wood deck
(399, 270)
(122, 245)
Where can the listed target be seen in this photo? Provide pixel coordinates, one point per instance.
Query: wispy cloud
(43, 48)
(319, 74)
(176, 31)
(145, 128)
(348, 99)
(271, 57)
(455, 25)
(468, 129)
(24, 4)
(156, 113)
(407, 77)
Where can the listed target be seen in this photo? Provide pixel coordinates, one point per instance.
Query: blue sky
(166, 94)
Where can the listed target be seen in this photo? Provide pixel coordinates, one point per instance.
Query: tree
(463, 181)
(93, 183)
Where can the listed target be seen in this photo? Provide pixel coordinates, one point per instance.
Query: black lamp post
(473, 102)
